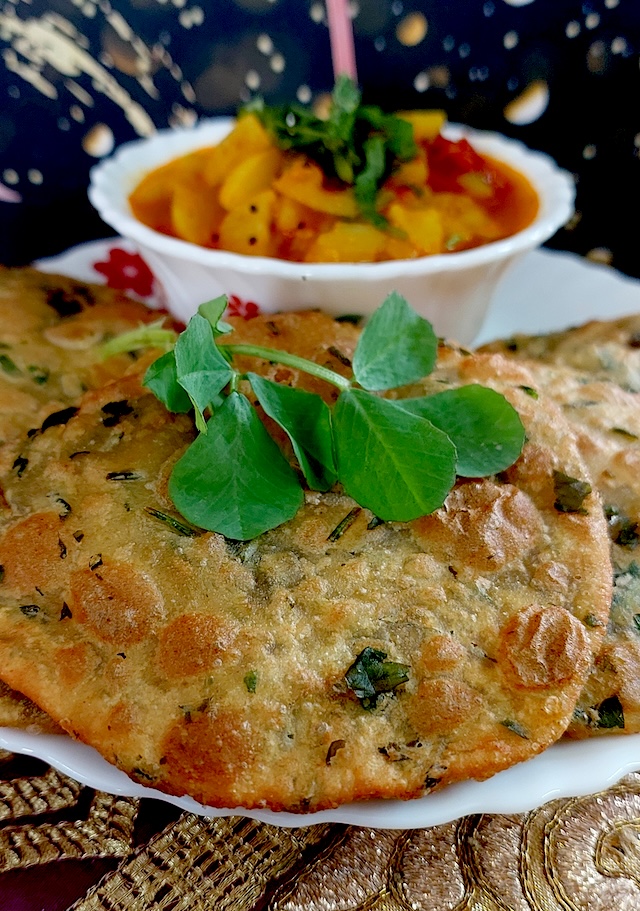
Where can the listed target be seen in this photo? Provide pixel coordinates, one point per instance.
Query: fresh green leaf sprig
(398, 458)
(359, 144)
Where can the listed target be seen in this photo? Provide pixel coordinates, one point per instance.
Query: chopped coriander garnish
(354, 318)
(58, 418)
(334, 746)
(29, 610)
(344, 524)
(628, 536)
(357, 144)
(176, 525)
(393, 753)
(570, 493)
(39, 375)
(114, 412)
(8, 365)
(251, 681)
(592, 621)
(610, 713)
(530, 391)
(622, 530)
(374, 522)
(64, 508)
(453, 240)
(20, 463)
(124, 476)
(515, 727)
(371, 675)
(339, 356)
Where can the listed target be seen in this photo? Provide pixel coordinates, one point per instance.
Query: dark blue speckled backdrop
(80, 76)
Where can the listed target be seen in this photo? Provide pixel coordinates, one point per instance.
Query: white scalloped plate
(542, 292)
(567, 769)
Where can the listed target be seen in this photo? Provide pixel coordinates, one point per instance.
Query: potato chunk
(348, 243)
(248, 136)
(253, 175)
(423, 226)
(304, 182)
(195, 212)
(426, 124)
(247, 229)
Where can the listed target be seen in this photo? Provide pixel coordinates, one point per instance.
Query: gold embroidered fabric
(581, 854)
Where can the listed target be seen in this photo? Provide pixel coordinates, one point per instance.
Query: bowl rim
(112, 179)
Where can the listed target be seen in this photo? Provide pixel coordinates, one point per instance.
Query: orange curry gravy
(448, 198)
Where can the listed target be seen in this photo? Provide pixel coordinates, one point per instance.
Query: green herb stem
(291, 360)
(151, 335)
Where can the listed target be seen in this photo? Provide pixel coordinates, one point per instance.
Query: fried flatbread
(593, 372)
(228, 671)
(607, 350)
(51, 327)
(606, 420)
(16, 711)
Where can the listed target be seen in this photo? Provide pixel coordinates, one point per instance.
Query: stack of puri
(593, 372)
(217, 668)
(51, 329)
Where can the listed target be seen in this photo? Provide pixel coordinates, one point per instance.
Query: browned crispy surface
(16, 711)
(51, 327)
(607, 350)
(217, 669)
(606, 420)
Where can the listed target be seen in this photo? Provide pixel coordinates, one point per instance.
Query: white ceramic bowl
(452, 290)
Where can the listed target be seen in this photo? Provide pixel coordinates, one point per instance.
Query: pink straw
(343, 56)
(7, 194)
